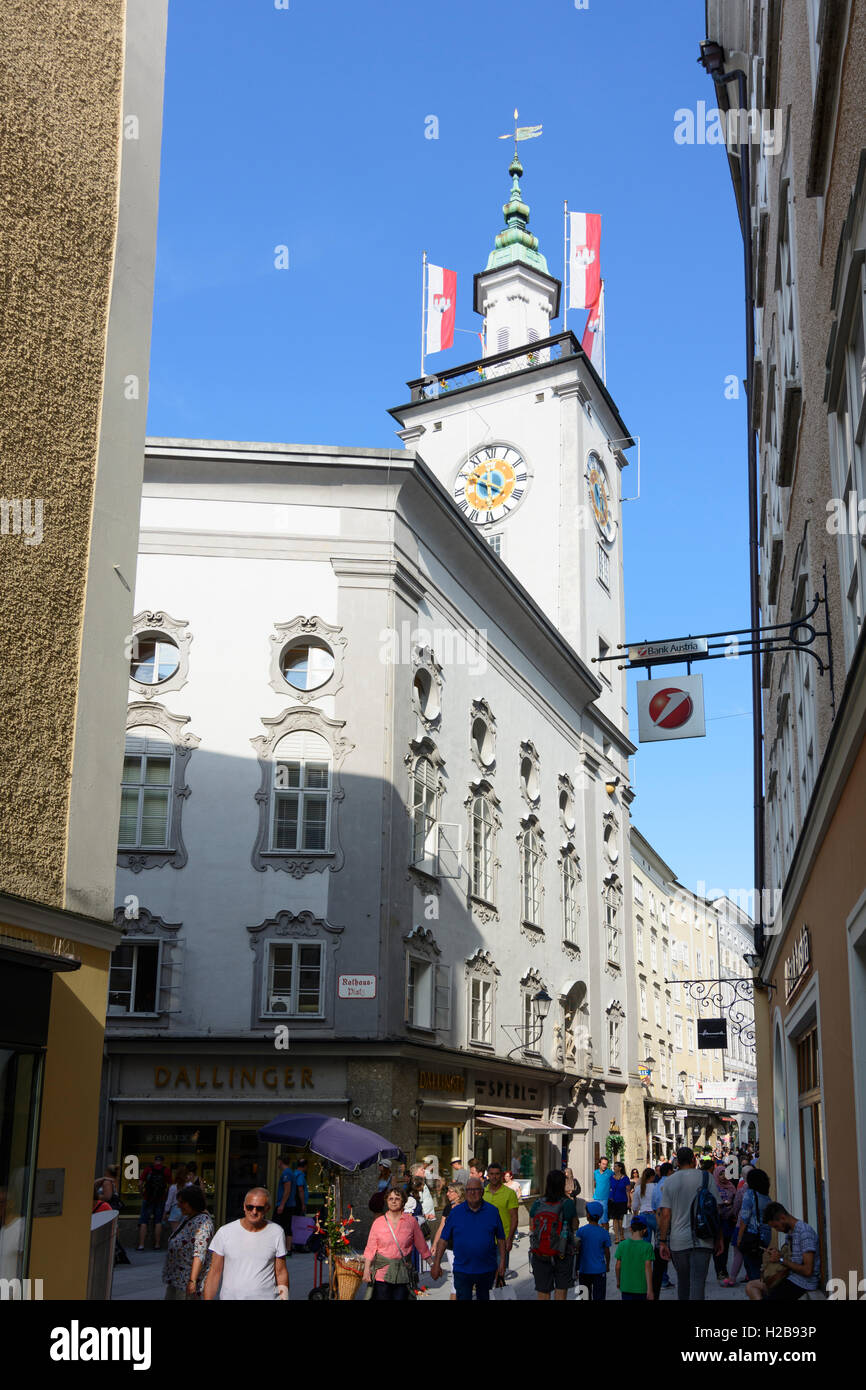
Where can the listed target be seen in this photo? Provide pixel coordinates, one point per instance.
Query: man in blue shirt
(479, 1245)
(282, 1211)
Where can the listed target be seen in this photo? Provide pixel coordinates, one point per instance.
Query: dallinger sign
(797, 964)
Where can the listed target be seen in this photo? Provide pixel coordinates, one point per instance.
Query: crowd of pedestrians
(671, 1219)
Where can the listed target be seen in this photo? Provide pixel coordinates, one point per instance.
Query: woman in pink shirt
(390, 1242)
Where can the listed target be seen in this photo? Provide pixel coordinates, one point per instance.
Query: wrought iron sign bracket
(797, 635)
(727, 997)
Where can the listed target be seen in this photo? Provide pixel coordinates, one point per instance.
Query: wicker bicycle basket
(349, 1274)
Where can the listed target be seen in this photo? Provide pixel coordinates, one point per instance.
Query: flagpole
(565, 264)
(603, 339)
(423, 306)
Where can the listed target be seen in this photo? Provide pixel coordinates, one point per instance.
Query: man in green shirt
(634, 1264)
(506, 1201)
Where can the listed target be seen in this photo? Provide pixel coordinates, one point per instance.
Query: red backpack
(548, 1233)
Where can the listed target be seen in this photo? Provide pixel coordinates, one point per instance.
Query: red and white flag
(441, 307)
(592, 341)
(584, 261)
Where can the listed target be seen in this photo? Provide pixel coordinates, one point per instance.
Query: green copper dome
(516, 243)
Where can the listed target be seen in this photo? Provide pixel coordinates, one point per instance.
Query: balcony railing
(539, 354)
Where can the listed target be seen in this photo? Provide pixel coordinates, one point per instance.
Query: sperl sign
(670, 707)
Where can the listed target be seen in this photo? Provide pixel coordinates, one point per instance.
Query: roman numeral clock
(491, 483)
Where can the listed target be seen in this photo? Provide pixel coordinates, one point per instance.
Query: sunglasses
(249, 1206)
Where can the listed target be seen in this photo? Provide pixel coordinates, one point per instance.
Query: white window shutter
(303, 746)
(442, 999)
(450, 849)
(145, 740)
(170, 977)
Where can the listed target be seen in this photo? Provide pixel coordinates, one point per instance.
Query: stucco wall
(59, 147)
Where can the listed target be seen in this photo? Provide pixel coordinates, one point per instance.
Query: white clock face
(601, 497)
(492, 482)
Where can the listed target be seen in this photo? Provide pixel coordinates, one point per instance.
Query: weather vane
(521, 132)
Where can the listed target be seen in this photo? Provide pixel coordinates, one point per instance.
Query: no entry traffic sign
(670, 708)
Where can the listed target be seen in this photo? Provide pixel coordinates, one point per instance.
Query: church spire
(516, 243)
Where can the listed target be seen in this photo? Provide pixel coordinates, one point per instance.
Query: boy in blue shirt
(593, 1262)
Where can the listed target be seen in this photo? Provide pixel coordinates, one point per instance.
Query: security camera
(356, 1111)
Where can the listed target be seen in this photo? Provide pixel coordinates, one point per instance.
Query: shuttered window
(302, 793)
(145, 803)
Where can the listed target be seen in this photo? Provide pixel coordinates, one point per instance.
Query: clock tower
(529, 444)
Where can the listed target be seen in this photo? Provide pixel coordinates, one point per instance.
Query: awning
(521, 1126)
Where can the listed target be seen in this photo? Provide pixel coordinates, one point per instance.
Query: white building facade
(374, 841)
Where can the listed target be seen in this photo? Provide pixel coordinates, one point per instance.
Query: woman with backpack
(753, 1234)
(552, 1245)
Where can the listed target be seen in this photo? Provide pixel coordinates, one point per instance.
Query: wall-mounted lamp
(611, 786)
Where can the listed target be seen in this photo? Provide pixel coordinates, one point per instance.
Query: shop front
(512, 1126)
(26, 976)
(445, 1112)
(206, 1109)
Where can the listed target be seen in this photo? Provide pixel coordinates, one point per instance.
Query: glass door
(812, 1139)
(20, 1074)
(246, 1167)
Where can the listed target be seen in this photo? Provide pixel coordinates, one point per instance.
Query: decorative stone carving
(565, 801)
(482, 751)
(286, 635)
(532, 933)
(481, 962)
(423, 942)
(157, 624)
(183, 743)
(530, 774)
(429, 711)
(299, 862)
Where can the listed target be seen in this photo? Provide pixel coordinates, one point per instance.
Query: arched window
(530, 875)
(611, 917)
(483, 845)
(424, 818)
(570, 908)
(302, 793)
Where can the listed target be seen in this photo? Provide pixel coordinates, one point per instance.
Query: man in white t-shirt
(249, 1255)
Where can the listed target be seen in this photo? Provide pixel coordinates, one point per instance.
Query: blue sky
(305, 127)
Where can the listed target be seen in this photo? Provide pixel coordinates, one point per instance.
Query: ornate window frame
(283, 928)
(298, 862)
(481, 966)
(183, 743)
(568, 856)
(156, 623)
(485, 908)
(530, 826)
(140, 926)
(424, 659)
(615, 1015)
(610, 837)
(421, 946)
(285, 635)
(530, 783)
(425, 750)
(612, 899)
(565, 793)
(481, 711)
